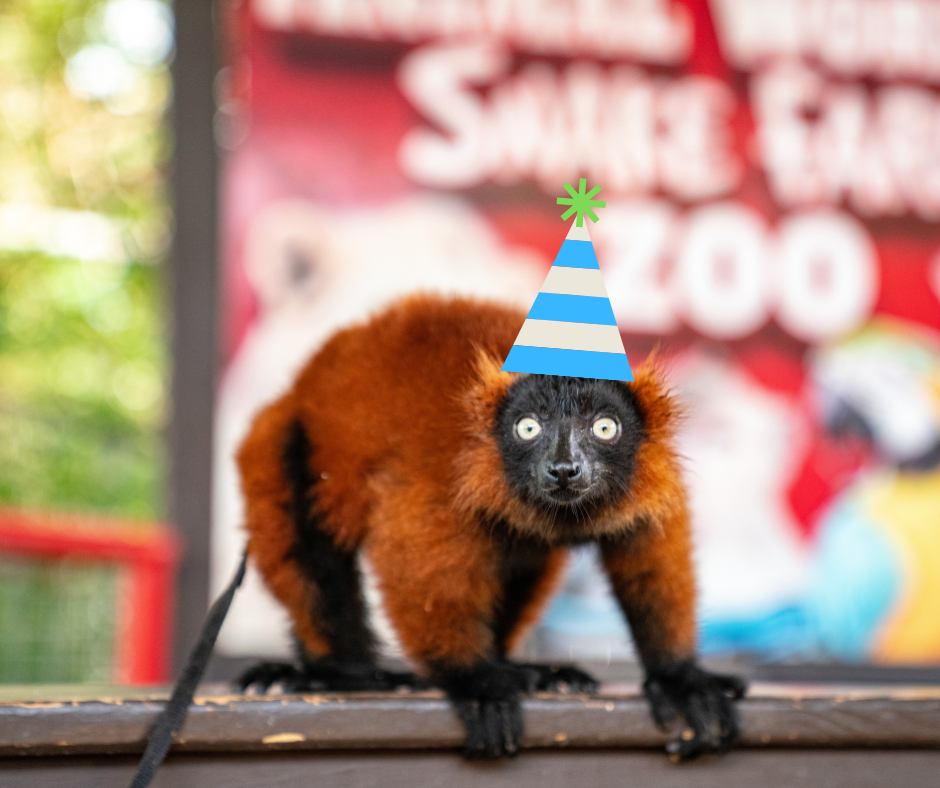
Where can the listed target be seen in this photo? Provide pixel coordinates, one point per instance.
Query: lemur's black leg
(337, 608)
(487, 696)
(652, 577)
(523, 568)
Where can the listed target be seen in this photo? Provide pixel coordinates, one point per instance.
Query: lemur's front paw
(704, 700)
(486, 698)
(494, 727)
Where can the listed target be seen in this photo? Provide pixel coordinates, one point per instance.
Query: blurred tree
(84, 224)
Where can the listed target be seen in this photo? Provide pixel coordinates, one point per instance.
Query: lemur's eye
(605, 428)
(528, 428)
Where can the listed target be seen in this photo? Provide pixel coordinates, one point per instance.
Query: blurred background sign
(772, 177)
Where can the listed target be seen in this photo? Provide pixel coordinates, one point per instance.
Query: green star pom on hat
(571, 329)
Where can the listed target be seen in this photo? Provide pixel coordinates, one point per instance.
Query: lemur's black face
(569, 442)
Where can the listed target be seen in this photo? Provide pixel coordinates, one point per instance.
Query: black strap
(173, 716)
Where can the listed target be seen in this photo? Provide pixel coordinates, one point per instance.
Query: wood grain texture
(536, 769)
(771, 718)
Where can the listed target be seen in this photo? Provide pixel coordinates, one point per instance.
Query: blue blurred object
(857, 581)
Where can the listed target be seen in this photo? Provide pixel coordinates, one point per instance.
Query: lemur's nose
(563, 472)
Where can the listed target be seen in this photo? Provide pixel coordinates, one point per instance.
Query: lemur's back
(379, 401)
(391, 386)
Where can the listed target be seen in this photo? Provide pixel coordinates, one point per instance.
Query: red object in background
(147, 554)
(828, 467)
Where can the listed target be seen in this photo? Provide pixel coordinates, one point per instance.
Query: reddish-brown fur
(271, 533)
(400, 414)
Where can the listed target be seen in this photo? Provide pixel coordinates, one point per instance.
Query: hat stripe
(572, 309)
(570, 336)
(571, 329)
(573, 363)
(575, 281)
(576, 254)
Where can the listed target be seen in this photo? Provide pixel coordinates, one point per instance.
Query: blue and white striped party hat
(570, 329)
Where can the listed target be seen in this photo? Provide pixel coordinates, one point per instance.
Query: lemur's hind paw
(360, 677)
(558, 678)
(704, 700)
(261, 677)
(325, 676)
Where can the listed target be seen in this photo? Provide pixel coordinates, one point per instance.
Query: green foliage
(57, 620)
(82, 363)
(81, 391)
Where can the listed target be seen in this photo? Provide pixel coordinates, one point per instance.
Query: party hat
(571, 329)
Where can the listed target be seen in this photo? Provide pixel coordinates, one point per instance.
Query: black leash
(173, 716)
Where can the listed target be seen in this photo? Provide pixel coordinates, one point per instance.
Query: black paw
(486, 699)
(558, 678)
(261, 677)
(704, 700)
(355, 677)
(325, 676)
(494, 727)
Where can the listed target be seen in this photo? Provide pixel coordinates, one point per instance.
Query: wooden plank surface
(532, 769)
(772, 716)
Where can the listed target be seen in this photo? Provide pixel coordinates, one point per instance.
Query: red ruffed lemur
(464, 486)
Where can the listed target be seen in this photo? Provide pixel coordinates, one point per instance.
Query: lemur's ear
(492, 381)
(487, 390)
(661, 411)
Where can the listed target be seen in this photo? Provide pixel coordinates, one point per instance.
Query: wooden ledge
(773, 715)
